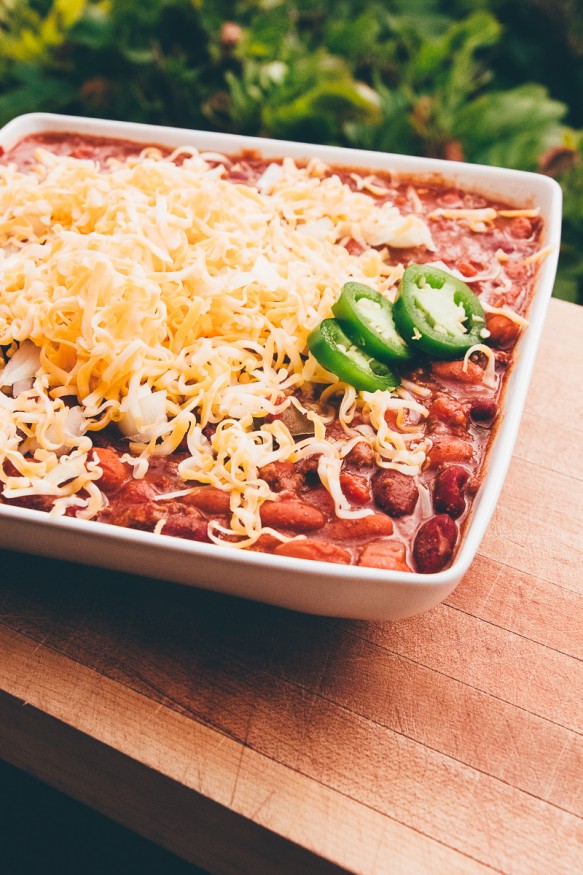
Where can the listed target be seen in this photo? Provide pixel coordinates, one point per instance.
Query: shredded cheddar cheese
(539, 256)
(505, 311)
(489, 378)
(164, 297)
(477, 220)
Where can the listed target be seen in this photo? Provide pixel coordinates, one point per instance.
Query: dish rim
(488, 180)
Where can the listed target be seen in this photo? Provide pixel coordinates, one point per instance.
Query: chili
(405, 529)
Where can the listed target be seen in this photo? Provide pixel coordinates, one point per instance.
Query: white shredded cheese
(489, 378)
(478, 220)
(539, 256)
(528, 214)
(505, 311)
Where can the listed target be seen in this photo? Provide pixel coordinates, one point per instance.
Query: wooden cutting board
(249, 739)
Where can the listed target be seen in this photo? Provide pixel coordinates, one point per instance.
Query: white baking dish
(314, 587)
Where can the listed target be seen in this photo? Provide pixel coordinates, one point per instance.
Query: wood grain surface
(250, 739)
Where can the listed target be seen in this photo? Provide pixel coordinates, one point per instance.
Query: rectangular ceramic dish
(315, 587)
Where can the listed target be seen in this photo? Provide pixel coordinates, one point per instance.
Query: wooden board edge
(157, 772)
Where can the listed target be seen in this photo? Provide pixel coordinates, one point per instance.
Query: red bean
(434, 543)
(321, 551)
(447, 448)
(483, 409)
(394, 492)
(135, 492)
(115, 472)
(265, 543)
(209, 499)
(354, 247)
(355, 487)
(9, 468)
(292, 514)
(470, 372)
(448, 496)
(448, 410)
(503, 331)
(320, 497)
(374, 525)
(388, 554)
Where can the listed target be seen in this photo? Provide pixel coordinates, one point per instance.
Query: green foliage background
(492, 81)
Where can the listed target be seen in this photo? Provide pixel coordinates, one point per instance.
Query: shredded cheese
(164, 297)
(505, 311)
(489, 378)
(539, 256)
(477, 220)
(527, 214)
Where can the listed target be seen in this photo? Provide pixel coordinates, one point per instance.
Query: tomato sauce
(417, 521)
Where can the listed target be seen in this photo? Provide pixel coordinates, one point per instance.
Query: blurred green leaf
(511, 128)
(497, 81)
(33, 91)
(353, 38)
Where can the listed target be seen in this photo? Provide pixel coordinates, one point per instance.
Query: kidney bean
(135, 492)
(321, 551)
(503, 331)
(355, 487)
(448, 496)
(448, 448)
(361, 455)
(209, 499)
(448, 410)
(265, 543)
(434, 543)
(292, 514)
(115, 472)
(389, 554)
(483, 409)
(9, 468)
(376, 524)
(320, 497)
(394, 492)
(468, 373)
(354, 247)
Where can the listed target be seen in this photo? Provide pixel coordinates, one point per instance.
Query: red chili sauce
(417, 521)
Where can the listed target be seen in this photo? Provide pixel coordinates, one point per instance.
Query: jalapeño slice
(335, 351)
(437, 313)
(367, 318)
